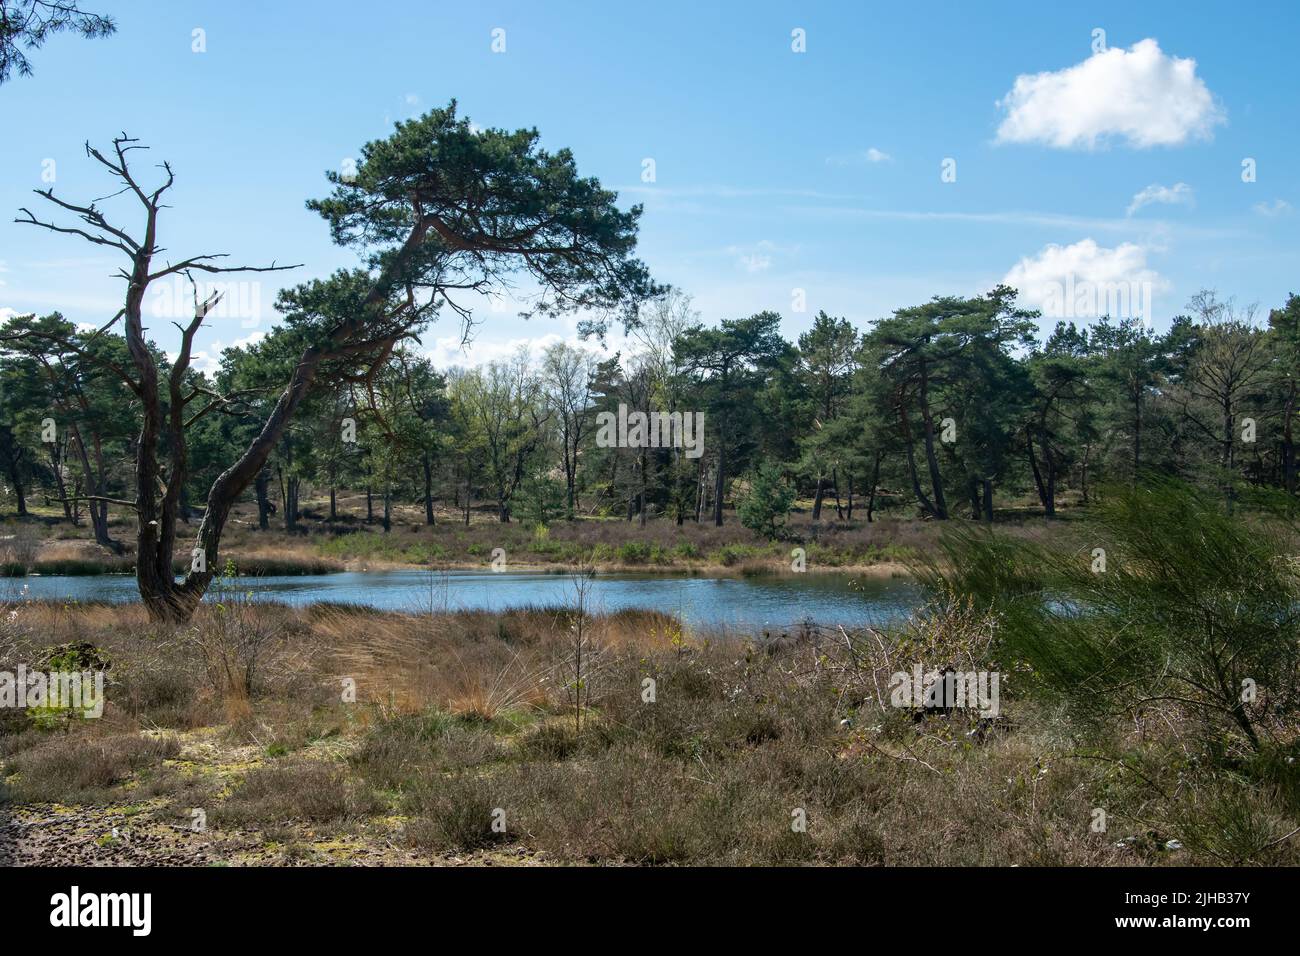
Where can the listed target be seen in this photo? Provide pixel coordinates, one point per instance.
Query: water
(742, 604)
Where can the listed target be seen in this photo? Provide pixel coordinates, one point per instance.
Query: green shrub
(1163, 599)
(767, 505)
(540, 500)
(453, 813)
(634, 552)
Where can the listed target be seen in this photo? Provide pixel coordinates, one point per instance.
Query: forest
(954, 407)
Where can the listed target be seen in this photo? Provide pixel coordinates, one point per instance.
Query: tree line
(953, 407)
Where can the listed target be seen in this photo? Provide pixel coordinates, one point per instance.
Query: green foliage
(27, 24)
(1162, 599)
(540, 500)
(766, 506)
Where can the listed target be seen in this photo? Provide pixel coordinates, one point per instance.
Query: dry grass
(477, 664)
(462, 719)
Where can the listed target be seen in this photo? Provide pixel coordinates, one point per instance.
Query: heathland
(1147, 715)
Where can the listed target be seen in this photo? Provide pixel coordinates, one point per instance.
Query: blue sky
(775, 170)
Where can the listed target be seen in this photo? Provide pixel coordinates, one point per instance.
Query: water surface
(748, 604)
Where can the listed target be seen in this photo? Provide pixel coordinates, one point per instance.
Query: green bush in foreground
(1163, 600)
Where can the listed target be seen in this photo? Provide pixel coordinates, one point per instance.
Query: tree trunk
(289, 500)
(264, 509)
(875, 482)
(988, 500)
(719, 485)
(570, 473)
(428, 489)
(1083, 473)
(927, 421)
(700, 485)
(16, 480)
(1046, 490)
(1229, 455)
(909, 446)
(94, 487)
(1050, 508)
(60, 485)
(936, 479)
(642, 502)
(1137, 433)
(817, 498)
(334, 503)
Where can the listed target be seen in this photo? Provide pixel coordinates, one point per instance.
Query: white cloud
(1278, 207)
(208, 360)
(447, 352)
(1177, 194)
(1139, 95)
(1085, 280)
(756, 258)
(871, 155)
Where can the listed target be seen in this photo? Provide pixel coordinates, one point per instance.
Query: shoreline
(880, 569)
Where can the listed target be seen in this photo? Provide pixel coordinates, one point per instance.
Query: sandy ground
(146, 832)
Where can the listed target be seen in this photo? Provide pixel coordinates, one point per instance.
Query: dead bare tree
(158, 493)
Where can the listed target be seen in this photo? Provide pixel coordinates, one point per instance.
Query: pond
(745, 604)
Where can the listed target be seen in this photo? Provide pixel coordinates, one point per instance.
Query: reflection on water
(742, 604)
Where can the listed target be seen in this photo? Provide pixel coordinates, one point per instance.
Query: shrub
(231, 638)
(540, 500)
(452, 813)
(634, 552)
(78, 771)
(550, 741)
(1164, 600)
(310, 790)
(397, 752)
(767, 505)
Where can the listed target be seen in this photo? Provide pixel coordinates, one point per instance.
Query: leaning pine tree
(437, 210)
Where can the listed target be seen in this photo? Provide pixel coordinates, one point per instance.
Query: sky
(856, 157)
